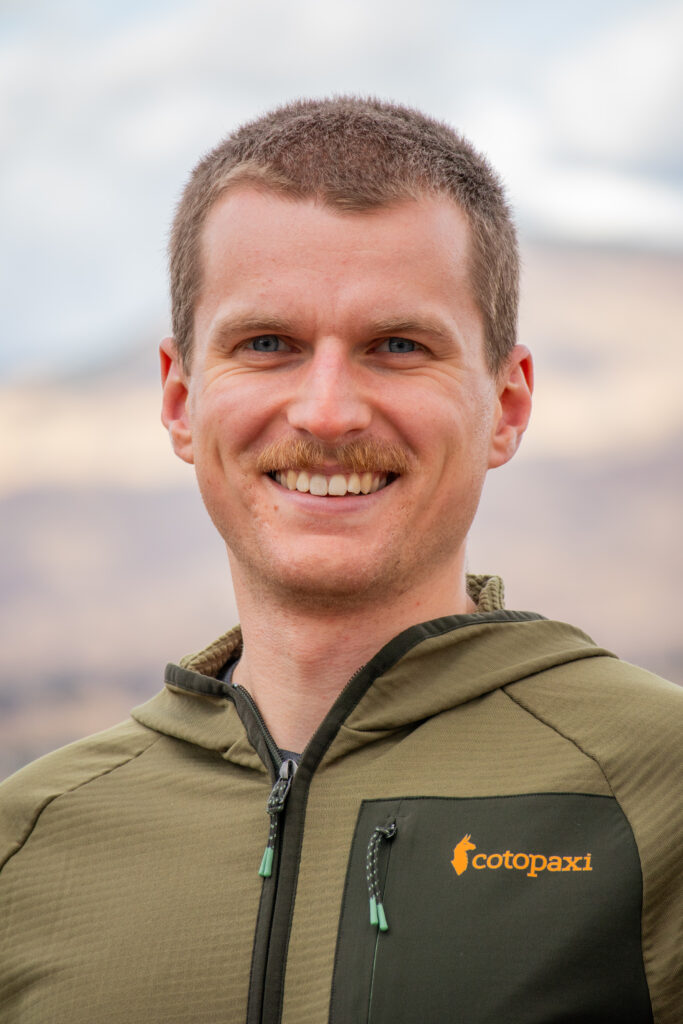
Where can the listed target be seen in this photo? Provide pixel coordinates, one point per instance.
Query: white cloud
(618, 97)
(590, 141)
(596, 205)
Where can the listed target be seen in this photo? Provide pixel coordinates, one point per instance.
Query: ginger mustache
(359, 456)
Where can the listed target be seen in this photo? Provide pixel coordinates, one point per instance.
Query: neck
(296, 660)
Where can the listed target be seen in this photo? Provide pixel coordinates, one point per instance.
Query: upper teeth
(337, 484)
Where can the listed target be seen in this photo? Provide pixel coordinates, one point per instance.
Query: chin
(319, 584)
(340, 589)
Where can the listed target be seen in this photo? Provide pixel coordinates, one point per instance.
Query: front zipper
(284, 772)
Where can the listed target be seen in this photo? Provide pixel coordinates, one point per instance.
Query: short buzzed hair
(354, 155)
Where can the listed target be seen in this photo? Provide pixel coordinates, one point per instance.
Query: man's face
(337, 328)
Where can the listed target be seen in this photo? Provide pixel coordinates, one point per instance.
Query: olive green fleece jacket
(484, 829)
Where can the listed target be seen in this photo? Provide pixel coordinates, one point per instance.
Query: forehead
(435, 222)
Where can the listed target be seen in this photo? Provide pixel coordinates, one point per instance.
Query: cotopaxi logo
(531, 863)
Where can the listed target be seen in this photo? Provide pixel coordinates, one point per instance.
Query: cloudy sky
(104, 109)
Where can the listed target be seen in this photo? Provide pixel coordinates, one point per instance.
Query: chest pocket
(498, 910)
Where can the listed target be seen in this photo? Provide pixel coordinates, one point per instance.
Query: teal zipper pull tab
(378, 918)
(266, 869)
(275, 807)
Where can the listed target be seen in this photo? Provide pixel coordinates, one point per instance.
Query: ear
(174, 412)
(515, 385)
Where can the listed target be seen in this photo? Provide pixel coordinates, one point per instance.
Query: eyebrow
(248, 324)
(398, 326)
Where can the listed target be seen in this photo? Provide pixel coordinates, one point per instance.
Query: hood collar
(423, 671)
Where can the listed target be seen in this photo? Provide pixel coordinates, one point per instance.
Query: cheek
(227, 423)
(457, 446)
(433, 425)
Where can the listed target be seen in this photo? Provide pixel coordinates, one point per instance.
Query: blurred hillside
(111, 567)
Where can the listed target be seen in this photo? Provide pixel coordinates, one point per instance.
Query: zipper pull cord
(377, 916)
(274, 807)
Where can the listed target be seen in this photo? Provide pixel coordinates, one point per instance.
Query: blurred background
(110, 566)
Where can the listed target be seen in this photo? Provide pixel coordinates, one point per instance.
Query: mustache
(359, 456)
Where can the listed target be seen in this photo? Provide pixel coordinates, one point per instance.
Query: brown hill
(110, 566)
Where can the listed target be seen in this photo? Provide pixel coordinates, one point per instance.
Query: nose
(330, 402)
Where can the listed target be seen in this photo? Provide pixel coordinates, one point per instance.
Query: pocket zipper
(378, 918)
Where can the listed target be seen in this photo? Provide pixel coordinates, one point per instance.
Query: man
(386, 797)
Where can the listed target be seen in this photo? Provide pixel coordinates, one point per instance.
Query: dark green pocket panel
(500, 910)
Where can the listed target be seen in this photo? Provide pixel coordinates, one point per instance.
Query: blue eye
(266, 343)
(399, 345)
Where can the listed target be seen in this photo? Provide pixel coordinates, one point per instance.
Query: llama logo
(460, 858)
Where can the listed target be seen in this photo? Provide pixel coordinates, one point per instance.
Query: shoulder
(600, 696)
(26, 794)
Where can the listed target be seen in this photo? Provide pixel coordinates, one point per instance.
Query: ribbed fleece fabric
(129, 884)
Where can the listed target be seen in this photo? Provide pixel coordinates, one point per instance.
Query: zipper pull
(378, 918)
(274, 807)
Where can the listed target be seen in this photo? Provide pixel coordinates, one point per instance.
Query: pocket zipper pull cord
(274, 807)
(378, 918)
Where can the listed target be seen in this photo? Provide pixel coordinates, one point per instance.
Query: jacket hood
(425, 670)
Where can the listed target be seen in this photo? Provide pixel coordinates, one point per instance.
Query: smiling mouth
(359, 467)
(337, 485)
